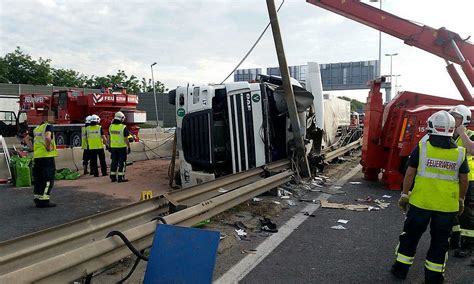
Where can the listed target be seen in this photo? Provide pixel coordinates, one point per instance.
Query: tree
(355, 104)
(148, 86)
(22, 69)
(68, 78)
(3, 71)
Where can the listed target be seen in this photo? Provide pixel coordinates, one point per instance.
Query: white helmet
(119, 115)
(463, 111)
(88, 119)
(95, 118)
(441, 123)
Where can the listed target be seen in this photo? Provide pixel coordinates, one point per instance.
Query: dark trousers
(93, 154)
(466, 220)
(85, 158)
(417, 221)
(44, 170)
(119, 159)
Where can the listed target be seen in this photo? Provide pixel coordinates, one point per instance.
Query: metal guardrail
(342, 150)
(73, 250)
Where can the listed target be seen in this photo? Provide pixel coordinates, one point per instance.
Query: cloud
(202, 41)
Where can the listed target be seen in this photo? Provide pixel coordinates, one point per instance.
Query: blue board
(182, 255)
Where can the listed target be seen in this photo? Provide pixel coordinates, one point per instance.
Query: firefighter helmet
(462, 111)
(441, 123)
(95, 118)
(119, 116)
(88, 119)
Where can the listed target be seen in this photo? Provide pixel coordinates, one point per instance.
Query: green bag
(22, 171)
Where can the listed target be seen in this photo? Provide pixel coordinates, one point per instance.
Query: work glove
(403, 202)
(461, 206)
(129, 150)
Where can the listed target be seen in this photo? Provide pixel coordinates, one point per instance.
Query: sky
(200, 42)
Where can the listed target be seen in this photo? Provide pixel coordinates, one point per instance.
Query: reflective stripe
(467, 233)
(456, 228)
(405, 259)
(423, 162)
(120, 174)
(434, 266)
(113, 173)
(41, 197)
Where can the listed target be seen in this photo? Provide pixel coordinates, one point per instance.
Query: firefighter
(44, 168)
(85, 147)
(465, 223)
(437, 170)
(119, 148)
(96, 140)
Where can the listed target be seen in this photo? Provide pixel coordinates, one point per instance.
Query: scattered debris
(268, 225)
(256, 199)
(353, 207)
(386, 196)
(240, 232)
(291, 203)
(381, 203)
(373, 208)
(317, 185)
(338, 227)
(337, 187)
(222, 236)
(343, 221)
(276, 202)
(310, 215)
(285, 197)
(249, 251)
(240, 225)
(355, 182)
(308, 200)
(222, 190)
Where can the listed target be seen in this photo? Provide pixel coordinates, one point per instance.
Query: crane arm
(441, 42)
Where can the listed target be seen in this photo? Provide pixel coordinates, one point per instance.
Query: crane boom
(441, 42)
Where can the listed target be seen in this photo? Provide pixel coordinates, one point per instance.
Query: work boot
(432, 277)
(122, 179)
(44, 204)
(465, 250)
(113, 178)
(400, 270)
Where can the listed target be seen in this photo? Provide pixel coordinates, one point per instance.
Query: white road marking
(248, 263)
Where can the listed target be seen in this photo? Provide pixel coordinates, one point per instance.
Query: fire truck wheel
(75, 139)
(60, 138)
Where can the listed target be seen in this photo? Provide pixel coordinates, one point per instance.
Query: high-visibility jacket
(84, 137)
(470, 158)
(437, 178)
(94, 139)
(116, 136)
(39, 146)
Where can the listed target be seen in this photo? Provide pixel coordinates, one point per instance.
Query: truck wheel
(76, 139)
(61, 138)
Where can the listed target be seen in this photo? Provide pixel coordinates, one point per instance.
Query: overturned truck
(232, 127)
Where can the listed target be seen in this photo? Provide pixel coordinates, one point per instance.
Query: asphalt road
(20, 216)
(363, 253)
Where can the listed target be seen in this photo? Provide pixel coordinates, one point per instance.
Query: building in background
(334, 76)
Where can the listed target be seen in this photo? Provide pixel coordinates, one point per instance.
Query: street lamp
(391, 57)
(154, 93)
(380, 43)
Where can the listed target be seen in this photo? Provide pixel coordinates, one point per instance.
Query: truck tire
(75, 139)
(61, 138)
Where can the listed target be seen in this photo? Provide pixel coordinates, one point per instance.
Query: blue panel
(182, 255)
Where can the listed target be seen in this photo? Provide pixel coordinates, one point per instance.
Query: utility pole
(288, 88)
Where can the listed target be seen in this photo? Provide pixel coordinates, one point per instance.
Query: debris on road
(268, 225)
(386, 196)
(355, 182)
(249, 251)
(343, 221)
(310, 215)
(339, 227)
(353, 207)
(222, 190)
(240, 233)
(256, 199)
(276, 202)
(291, 203)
